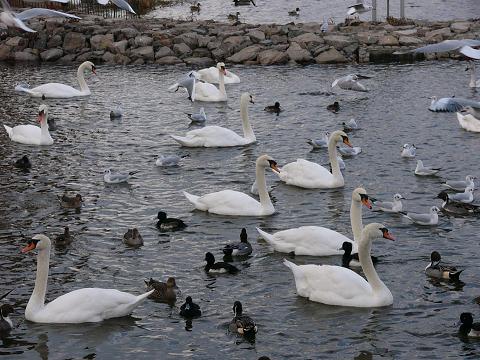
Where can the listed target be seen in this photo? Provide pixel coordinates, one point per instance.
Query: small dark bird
(438, 271)
(133, 238)
(23, 163)
(169, 224)
(195, 8)
(190, 309)
(218, 267)
(64, 239)
(352, 260)
(243, 248)
(165, 292)
(334, 108)
(242, 324)
(274, 108)
(295, 12)
(6, 323)
(243, 2)
(233, 17)
(468, 327)
(72, 202)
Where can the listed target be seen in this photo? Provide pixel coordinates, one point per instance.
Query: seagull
(425, 170)
(347, 151)
(409, 151)
(118, 178)
(349, 82)
(187, 82)
(169, 160)
(326, 23)
(122, 4)
(464, 46)
(457, 208)
(465, 197)
(389, 206)
(461, 185)
(198, 118)
(319, 143)
(424, 219)
(358, 8)
(116, 113)
(451, 104)
(12, 19)
(350, 125)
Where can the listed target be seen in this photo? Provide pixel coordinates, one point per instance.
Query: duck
(65, 238)
(295, 12)
(438, 271)
(165, 223)
(61, 91)
(461, 185)
(423, 170)
(133, 238)
(233, 17)
(243, 2)
(117, 178)
(218, 267)
(217, 136)
(243, 248)
(430, 218)
(408, 151)
(275, 108)
(388, 206)
(208, 92)
(334, 108)
(339, 286)
(318, 240)
(457, 208)
(351, 125)
(351, 260)
(467, 120)
(74, 202)
(116, 113)
(6, 324)
(468, 327)
(235, 203)
(31, 134)
(319, 143)
(212, 75)
(309, 175)
(195, 8)
(242, 324)
(189, 309)
(78, 306)
(23, 163)
(165, 292)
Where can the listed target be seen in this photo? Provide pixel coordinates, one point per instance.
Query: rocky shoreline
(203, 43)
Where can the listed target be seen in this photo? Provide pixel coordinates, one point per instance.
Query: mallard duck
(352, 260)
(438, 271)
(63, 239)
(23, 163)
(218, 267)
(468, 327)
(163, 291)
(242, 324)
(133, 238)
(242, 248)
(190, 309)
(71, 202)
(169, 224)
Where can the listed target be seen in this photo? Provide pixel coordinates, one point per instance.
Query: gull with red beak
(31, 134)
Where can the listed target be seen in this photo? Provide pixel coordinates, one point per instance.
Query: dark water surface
(420, 324)
(314, 10)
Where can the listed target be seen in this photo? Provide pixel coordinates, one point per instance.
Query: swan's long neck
(81, 79)
(37, 300)
(332, 155)
(262, 188)
(222, 84)
(373, 279)
(44, 127)
(247, 128)
(356, 219)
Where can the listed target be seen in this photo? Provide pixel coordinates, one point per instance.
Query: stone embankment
(203, 43)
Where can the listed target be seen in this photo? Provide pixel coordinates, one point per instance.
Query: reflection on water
(421, 321)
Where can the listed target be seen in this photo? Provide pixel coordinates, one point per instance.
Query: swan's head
(360, 195)
(339, 135)
(221, 68)
(237, 308)
(42, 113)
(39, 242)
(266, 161)
(470, 178)
(375, 231)
(434, 210)
(247, 97)
(89, 65)
(398, 197)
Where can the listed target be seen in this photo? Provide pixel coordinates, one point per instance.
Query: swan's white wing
(206, 91)
(26, 134)
(122, 4)
(214, 136)
(470, 52)
(229, 202)
(333, 285)
(31, 13)
(305, 174)
(102, 2)
(54, 90)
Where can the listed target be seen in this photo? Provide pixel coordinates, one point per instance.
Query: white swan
(336, 285)
(78, 306)
(217, 136)
(474, 83)
(61, 91)
(211, 75)
(209, 92)
(229, 202)
(317, 240)
(309, 175)
(31, 134)
(468, 121)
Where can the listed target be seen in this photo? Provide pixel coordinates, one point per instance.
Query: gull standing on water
(424, 219)
(111, 178)
(389, 206)
(169, 160)
(422, 170)
(198, 118)
(409, 151)
(319, 143)
(465, 197)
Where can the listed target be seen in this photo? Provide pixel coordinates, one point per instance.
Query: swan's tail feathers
(455, 276)
(194, 200)
(141, 298)
(174, 87)
(9, 130)
(290, 265)
(180, 139)
(23, 87)
(266, 236)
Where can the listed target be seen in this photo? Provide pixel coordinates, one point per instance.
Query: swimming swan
(31, 134)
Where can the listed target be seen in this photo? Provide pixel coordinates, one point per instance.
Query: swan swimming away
(61, 91)
(217, 136)
(230, 202)
(78, 306)
(31, 134)
(337, 285)
(318, 240)
(310, 175)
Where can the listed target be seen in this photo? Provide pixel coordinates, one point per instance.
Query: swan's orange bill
(224, 71)
(347, 142)
(275, 167)
(388, 236)
(367, 203)
(29, 247)
(41, 116)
